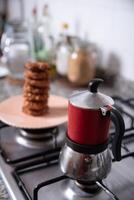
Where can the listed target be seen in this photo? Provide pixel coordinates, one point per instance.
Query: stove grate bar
(128, 103)
(124, 146)
(27, 158)
(107, 190)
(45, 157)
(127, 155)
(21, 185)
(127, 136)
(50, 160)
(43, 184)
(130, 154)
(41, 164)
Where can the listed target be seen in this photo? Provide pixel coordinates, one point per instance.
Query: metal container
(86, 155)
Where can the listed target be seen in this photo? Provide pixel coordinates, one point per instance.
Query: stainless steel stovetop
(32, 173)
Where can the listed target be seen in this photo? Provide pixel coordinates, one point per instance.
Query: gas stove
(30, 169)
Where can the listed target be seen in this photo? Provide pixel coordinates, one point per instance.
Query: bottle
(45, 39)
(64, 49)
(34, 25)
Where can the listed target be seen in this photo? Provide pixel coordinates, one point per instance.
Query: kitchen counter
(61, 87)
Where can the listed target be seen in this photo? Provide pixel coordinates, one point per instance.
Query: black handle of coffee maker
(93, 85)
(118, 121)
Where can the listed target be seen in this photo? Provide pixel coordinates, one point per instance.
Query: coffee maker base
(90, 187)
(75, 190)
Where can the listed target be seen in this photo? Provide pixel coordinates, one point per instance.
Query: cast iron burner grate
(50, 161)
(33, 169)
(15, 153)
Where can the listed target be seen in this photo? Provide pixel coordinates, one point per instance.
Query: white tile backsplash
(109, 23)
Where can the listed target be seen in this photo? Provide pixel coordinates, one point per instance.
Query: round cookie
(35, 90)
(36, 105)
(35, 97)
(37, 66)
(36, 76)
(34, 112)
(37, 83)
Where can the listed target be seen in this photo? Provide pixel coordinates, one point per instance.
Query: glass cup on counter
(17, 50)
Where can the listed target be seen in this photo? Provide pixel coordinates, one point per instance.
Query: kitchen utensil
(86, 156)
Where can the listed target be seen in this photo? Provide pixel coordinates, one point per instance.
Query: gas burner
(74, 190)
(89, 187)
(38, 138)
(38, 133)
(20, 145)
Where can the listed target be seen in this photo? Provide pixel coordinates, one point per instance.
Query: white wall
(109, 23)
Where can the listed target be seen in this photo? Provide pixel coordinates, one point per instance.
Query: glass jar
(17, 50)
(81, 65)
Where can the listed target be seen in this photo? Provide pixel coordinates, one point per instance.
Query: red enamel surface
(86, 126)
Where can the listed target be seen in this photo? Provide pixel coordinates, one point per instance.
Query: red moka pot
(86, 156)
(89, 116)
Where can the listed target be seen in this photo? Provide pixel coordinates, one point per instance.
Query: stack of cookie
(36, 88)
